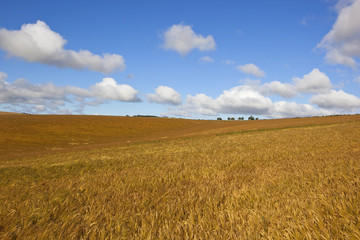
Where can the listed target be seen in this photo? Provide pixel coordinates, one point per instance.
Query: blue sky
(192, 59)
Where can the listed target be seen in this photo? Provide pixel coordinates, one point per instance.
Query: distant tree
(241, 118)
(229, 118)
(251, 118)
(219, 118)
(256, 118)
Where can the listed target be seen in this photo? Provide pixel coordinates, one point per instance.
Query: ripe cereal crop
(93, 177)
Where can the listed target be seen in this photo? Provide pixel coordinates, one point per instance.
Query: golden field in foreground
(179, 179)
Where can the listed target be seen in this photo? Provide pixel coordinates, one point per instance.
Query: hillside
(152, 178)
(26, 135)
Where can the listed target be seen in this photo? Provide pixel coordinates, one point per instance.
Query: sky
(188, 59)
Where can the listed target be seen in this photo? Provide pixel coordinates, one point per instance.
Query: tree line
(239, 118)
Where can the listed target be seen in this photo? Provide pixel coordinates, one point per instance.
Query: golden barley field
(95, 177)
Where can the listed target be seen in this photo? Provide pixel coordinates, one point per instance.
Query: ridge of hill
(24, 134)
(8, 113)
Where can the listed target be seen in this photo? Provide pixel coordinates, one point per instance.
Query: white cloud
(336, 100)
(108, 89)
(206, 59)
(285, 90)
(40, 108)
(182, 39)
(240, 99)
(166, 95)
(342, 43)
(342, 3)
(251, 69)
(245, 100)
(22, 91)
(38, 43)
(347, 24)
(228, 62)
(313, 82)
(51, 98)
(3, 76)
(251, 98)
(199, 104)
(78, 92)
(284, 109)
(129, 76)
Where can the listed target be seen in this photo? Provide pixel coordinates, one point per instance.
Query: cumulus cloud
(251, 98)
(285, 90)
(342, 43)
(200, 104)
(21, 91)
(182, 39)
(245, 100)
(283, 109)
(106, 89)
(240, 99)
(38, 43)
(206, 59)
(313, 82)
(165, 95)
(336, 100)
(49, 97)
(342, 3)
(39, 108)
(251, 69)
(109, 89)
(3, 76)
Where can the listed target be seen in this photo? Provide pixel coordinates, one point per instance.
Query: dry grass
(292, 183)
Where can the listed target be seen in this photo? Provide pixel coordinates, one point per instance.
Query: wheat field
(294, 181)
